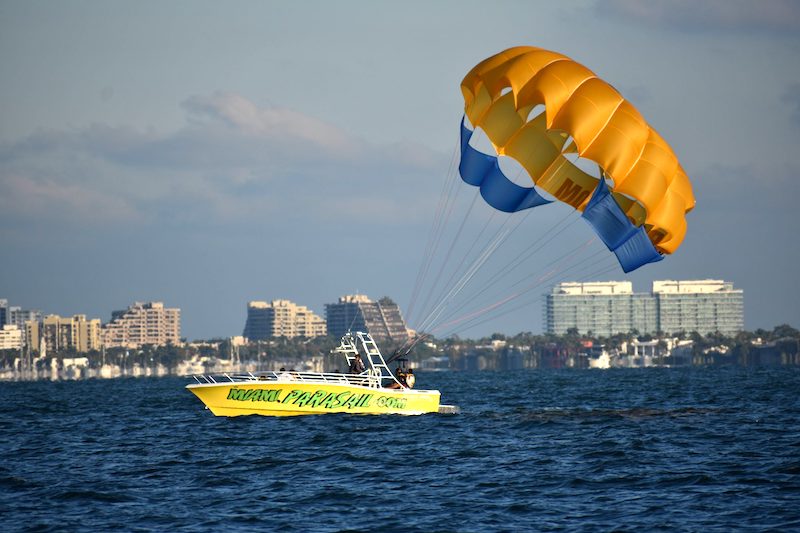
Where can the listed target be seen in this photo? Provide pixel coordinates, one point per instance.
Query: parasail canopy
(539, 107)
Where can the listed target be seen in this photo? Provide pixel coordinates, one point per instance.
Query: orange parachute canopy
(583, 115)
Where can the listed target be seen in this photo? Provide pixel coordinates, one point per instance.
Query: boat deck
(366, 379)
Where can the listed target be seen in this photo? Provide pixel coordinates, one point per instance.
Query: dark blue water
(628, 449)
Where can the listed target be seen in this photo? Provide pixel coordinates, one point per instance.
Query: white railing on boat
(351, 345)
(366, 379)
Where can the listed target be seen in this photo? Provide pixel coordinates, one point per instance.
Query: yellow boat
(374, 391)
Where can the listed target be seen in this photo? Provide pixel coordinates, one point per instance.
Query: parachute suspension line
(446, 197)
(541, 279)
(442, 305)
(445, 206)
(434, 314)
(479, 319)
(593, 273)
(499, 237)
(531, 249)
(409, 345)
(452, 175)
(447, 256)
(567, 255)
(599, 272)
(482, 316)
(509, 267)
(430, 251)
(495, 241)
(513, 309)
(450, 281)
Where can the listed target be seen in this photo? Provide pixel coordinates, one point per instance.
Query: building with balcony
(704, 306)
(607, 308)
(602, 308)
(281, 318)
(64, 333)
(382, 319)
(143, 323)
(10, 337)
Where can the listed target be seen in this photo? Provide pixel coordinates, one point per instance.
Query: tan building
(10, 337)
(76, 332)
(143, 323)
(281, 318)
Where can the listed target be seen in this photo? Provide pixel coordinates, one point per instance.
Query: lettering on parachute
(320, 398)
(572, 193)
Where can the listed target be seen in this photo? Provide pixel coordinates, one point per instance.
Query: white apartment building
(705, 306)
(607, 308)
(143, 323)
(282, 318)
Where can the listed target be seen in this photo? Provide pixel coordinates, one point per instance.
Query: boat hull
(290, 398)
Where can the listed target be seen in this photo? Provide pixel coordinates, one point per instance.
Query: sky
(206, 154)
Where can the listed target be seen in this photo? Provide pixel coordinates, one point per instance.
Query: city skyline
(205, 156)
(284, 317)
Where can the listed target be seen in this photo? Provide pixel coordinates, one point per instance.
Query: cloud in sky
(233, 157)
(279, 125)
(273, 198)
(766, 16)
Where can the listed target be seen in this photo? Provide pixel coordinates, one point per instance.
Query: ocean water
(697, 449)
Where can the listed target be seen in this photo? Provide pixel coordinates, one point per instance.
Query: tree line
(784, 339)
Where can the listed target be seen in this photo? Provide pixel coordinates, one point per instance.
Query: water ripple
(624, 450)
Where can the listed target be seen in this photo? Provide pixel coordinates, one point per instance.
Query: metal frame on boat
(374, 391)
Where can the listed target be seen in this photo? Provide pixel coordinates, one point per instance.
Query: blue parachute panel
(628, 242)
(483, 171)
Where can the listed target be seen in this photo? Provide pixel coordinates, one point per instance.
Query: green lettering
(316, 398)
(291, 396)
(236, 394)
(365, 400)
(327, 403)
(351, 401)
(341, 398)
(303, 399)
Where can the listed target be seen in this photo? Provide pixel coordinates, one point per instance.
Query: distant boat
(375, 390)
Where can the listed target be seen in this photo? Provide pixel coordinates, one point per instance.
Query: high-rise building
(76, 332)
(607, 308)
(382, 319)
(143, 323)
(599, 308)
(19, 317)
(705, 306)
(281, 318)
